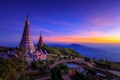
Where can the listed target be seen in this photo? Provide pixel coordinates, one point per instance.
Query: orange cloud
(80, 39)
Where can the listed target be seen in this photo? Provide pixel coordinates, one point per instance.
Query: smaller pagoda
(40, 43)
(41, 53)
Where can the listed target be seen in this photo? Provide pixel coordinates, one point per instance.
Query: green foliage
(44, 70)
(115, 65)
(35, 65)
(66, 51)
(8, 70)
(21, 49)
(6, 49)
(11, 68)
(79, 76)
(62, 51)
(52, 61)
(39, 47)
(101, 60)
(52, 50)
(64, 67)
(53, 75)
(92, 71)
(22, 60)
(41, 62)
(103, 65)
(56, 74)
(87, 59)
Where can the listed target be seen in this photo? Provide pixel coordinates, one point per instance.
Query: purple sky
(61, 20)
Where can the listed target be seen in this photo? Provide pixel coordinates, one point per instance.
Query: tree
(101, 60)
(52, 61)
(8, 70)
(92, 71)
(53, 75)
(79, 76)
(64, 67)
(44, 70)
(56, 74)
(22, 59)
(87, 59)
(35, 65)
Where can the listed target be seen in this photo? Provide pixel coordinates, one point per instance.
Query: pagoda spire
(40, 42)
(26, 40)
(27, 20)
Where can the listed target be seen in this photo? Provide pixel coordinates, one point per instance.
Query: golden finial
(27, 20)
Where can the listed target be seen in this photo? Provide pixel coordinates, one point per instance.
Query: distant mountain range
(90, 52)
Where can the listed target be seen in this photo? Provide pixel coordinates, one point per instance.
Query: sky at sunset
(67, 21)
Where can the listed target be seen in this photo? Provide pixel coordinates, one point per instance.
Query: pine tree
(56, 74)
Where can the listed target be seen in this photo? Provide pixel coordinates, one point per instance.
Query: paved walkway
(78, 61)
(44, 78)
(66, 77)
(111, 71)
(89, 64)
(114, 72)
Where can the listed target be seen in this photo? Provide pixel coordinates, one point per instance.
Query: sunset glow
(69, 21)
(81, 39)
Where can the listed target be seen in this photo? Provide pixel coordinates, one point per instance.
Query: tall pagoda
(26, 40)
